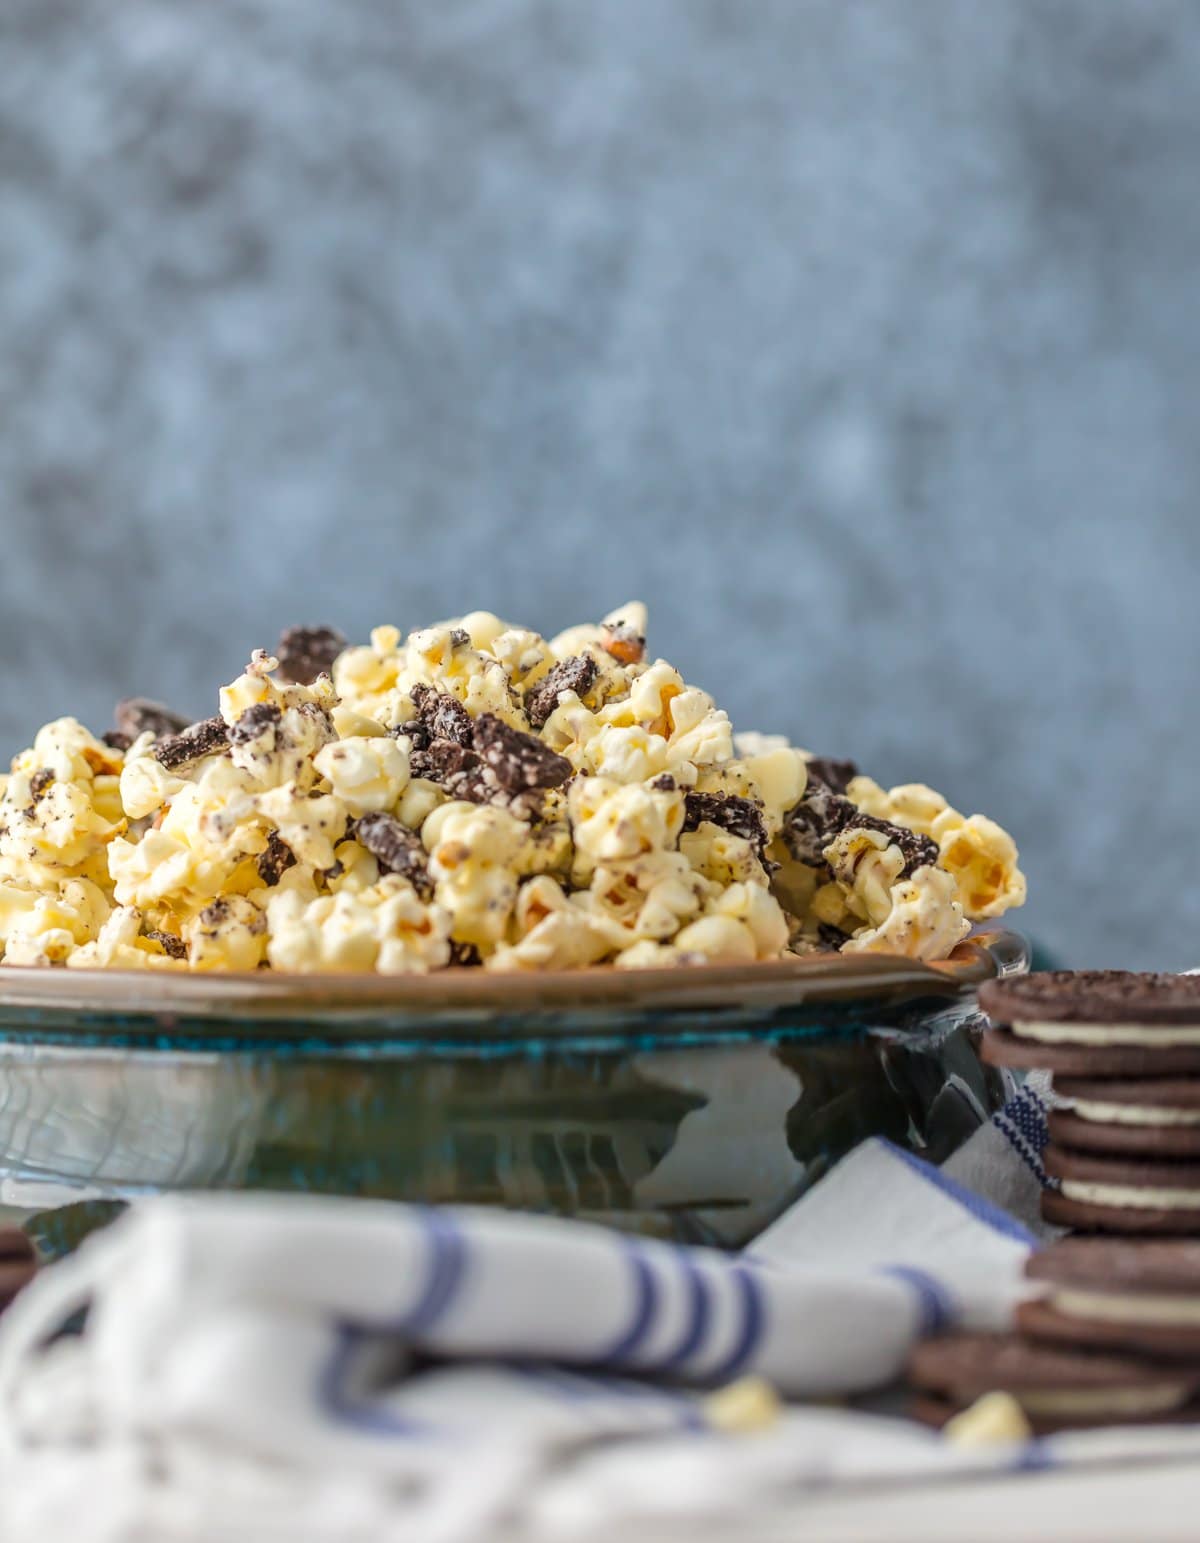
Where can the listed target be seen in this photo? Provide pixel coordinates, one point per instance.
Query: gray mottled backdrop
(860, 339)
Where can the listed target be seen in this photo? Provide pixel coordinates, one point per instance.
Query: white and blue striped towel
(260, 1366)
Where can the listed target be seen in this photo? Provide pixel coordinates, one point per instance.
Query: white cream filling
(1153, 1398)
(1150, 1307)
(1134, 1114)
(1160, 1034)
(1141, 1197)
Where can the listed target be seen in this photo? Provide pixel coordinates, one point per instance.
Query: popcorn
(471, 793)
(981, 856)
(368, 775)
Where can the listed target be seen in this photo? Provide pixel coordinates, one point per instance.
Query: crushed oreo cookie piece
(442, 715)
(814, 822)
(115, 740)
(137, 715)
(207, 737)
(254, 723)
(518, 760)
(170, 944)
(459, 637)
(822, 815)
(414, 731)
(276, 860)
(919, 851)
(736, 815)
(306, 652)
(396, 849)
(215, 913)
(40, 781)
(464, 954)
(445, 761)
(831, 773)
(577, 674)
(665, 783)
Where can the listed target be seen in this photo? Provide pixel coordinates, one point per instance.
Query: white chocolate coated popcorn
(472, 792)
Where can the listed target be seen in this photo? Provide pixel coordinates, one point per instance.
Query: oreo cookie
(306, 652)
(1056, 1387)
(139, 715)
(736, 815)
(1094, 1023)
(208, 737)
(1003, 1047)
(1094, 997)
(1102, 1128)
(577, 674)
(396, 849)
(1116, 1293)
(1146, 1117)
(1121, 1194)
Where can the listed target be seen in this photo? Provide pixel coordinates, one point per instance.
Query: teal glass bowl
(692, 1104)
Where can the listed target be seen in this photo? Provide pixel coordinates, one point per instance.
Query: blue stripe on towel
(334, 1398)
(447, 1268)
(982, 1210)
(699, 1316)
(753, 1325)
(935, 1302)
(644, 1310)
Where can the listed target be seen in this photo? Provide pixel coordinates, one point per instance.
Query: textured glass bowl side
(697, 1123)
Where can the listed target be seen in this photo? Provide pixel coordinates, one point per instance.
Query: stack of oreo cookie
(1112, 1335)
(1124, 1053)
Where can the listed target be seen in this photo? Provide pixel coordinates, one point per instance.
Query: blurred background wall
(858, 339)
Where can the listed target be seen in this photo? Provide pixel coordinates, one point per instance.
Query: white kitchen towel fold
(246, 1353)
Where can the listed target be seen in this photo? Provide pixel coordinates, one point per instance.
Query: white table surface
(1148, 1503)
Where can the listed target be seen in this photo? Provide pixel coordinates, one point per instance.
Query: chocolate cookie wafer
(1057, 1388)
(1117, 1294)
(1094, 1023)
(1121, 1194)
(1146, 1117)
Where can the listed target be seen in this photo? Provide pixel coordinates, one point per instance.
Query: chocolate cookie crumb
(396, 849)
(459, 637)
(736, 815)
(276, 860)
(518, 760)
(115, 740)
(814, 822)
(665, 783)
(137, 715)
(822, 815)
(577, 674)
(254, 723)
(207, 737)
(464, 953)
(306, 652)
(175, 947)
(414, 731)
(443, 715)
(445, 761)
(40, 781)
(832, 774)
(215, 913)
(919, 851)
